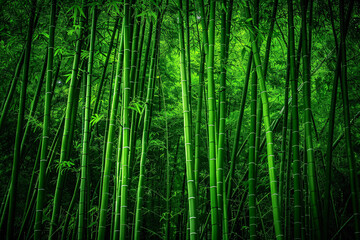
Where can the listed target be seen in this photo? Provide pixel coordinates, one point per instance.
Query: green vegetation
(172, 119)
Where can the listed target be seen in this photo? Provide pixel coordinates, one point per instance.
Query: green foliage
(165, 127)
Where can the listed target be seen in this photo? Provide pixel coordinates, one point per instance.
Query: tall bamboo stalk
(269, 134)
(109, 147)
(126, 123)
(198, 119)
(315, 211)
(187, 53)
(192, 197)
(45, 141)
(252, 161)
(145, 136)
(168, 177)
(68, 132)
(116, 206)
(146, 57)
(212, 124)
(133, 82)
(295, 125)
(222, 115)
(284, 135)
(86, 134)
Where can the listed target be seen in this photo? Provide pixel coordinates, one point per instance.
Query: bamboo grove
(180, 119)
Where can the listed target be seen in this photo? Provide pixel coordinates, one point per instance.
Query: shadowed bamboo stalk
(68, 132)
(65, 227)
(354, 182)
(33, 106)
(284, 136)
(315, 210)
(19, 131)
(103, 75)
(11, 90)
(330, 148)
(45, 141)
(198, 119)
(238, 126)
(295, 125)
(254, 136)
